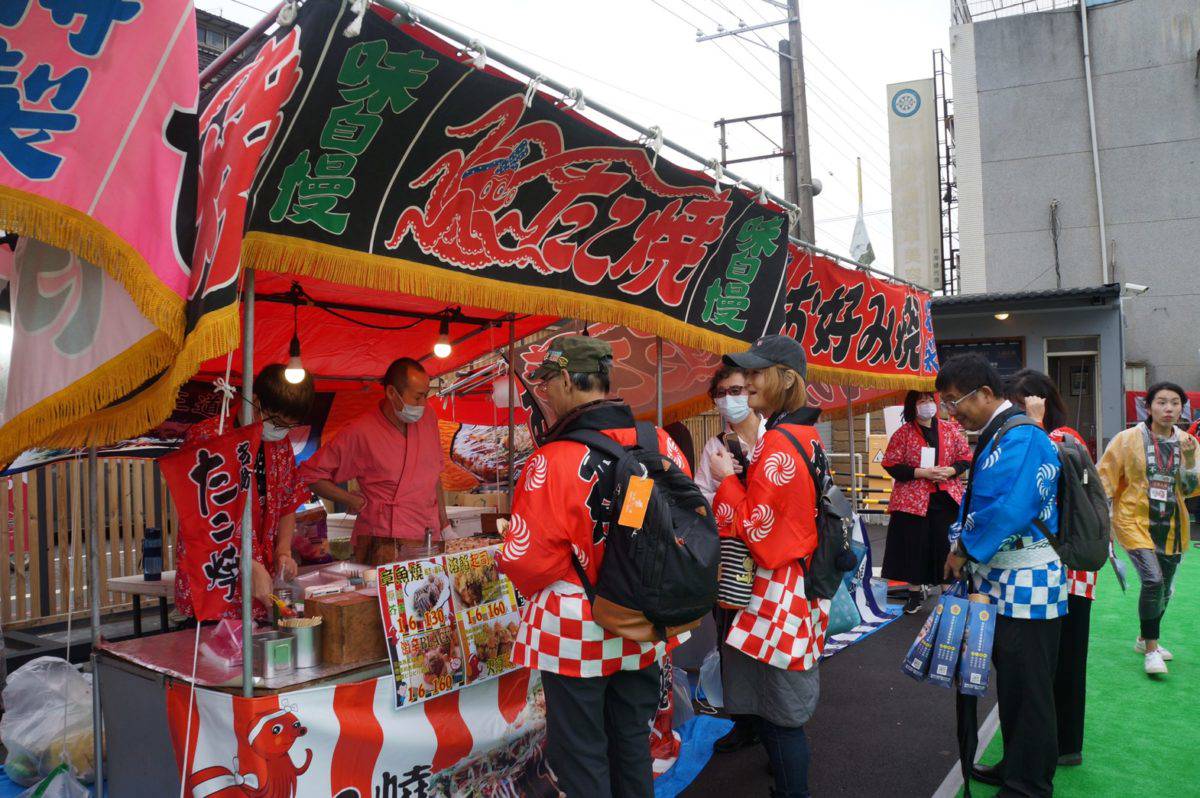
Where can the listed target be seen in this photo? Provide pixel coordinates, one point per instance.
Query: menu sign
(449, 621)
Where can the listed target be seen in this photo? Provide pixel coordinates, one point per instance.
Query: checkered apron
(780, 626)
(1081, 583)
(1037, 592)
(557, 635)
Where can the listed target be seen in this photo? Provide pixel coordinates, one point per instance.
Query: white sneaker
(1154, 663)
(1140, 647)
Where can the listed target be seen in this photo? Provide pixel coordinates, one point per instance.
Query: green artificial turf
(1139, 731)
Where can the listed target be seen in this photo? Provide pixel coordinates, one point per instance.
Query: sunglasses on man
(734, 390)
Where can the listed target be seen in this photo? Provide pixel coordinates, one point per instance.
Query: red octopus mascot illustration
(271, 737)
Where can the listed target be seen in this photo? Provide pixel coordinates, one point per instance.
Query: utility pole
(802, 183)
(797, 171)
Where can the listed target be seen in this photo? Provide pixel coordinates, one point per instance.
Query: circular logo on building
(906, 102)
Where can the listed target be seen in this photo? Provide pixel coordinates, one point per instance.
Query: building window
(212, 38)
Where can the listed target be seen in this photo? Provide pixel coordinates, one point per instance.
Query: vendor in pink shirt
(395, 455)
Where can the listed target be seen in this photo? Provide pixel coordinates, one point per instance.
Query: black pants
(1070, 679)
(598, 733)
(1026, 655)
(1157, 573)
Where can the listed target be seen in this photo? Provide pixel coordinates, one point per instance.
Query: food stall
(372, 189)
(501, 212)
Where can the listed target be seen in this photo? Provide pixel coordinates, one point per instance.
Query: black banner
(399, 165)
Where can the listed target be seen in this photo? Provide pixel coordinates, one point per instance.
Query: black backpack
(661, 579)
(1083, 516)
(833, 557)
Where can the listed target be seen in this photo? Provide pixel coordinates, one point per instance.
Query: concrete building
(1029, 213)
(1073, 335)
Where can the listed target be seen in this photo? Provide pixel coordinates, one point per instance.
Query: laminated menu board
(448, 621)
(485, 612)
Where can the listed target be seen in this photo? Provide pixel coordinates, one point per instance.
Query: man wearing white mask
(394, 453)
(741, 426)
(740, 434)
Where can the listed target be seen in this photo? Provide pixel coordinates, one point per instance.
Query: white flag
(860, 244)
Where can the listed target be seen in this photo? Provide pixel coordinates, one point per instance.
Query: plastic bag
(682, 689)
(47, 722)
(58, 784)
(710, 679)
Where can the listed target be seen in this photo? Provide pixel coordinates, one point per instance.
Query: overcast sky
(641, 57)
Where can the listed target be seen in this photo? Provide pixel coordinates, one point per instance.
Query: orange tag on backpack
(637, 501)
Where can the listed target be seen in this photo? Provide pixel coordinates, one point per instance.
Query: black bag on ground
(658, 580)
(833, 557)
(1083, 517)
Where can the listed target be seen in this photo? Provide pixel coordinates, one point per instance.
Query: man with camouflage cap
(602, 690)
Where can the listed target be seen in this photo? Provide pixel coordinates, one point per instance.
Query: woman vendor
(279, 406)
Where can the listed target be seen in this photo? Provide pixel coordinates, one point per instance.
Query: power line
(850, 126)
(871, 103)
(701, 12)
(560, 65)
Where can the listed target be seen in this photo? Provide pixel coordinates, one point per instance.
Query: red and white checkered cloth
(780, 626)
(558, 635)
(1081, 583)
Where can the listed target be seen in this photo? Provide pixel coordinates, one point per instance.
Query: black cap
(771, 350)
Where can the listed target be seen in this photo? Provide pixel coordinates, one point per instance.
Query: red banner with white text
(858, 329)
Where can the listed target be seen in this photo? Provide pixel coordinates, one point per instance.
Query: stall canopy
(383, 185)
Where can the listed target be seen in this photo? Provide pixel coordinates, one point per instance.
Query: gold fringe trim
(287, 255)
(80, 414)
(70, 229)
(869, 379)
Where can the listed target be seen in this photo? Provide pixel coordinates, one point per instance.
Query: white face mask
(926, 410)
(272, 433)
(411, 414)
(734, 409)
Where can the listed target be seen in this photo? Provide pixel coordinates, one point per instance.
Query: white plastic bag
(58, 784)
(47, 722)
(682, 704)
(710, 679)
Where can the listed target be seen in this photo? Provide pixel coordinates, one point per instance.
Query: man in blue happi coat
(1013, 483)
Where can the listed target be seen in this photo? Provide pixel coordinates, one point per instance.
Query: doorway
(1076, 375)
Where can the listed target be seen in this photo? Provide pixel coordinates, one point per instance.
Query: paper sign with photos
(448, 621)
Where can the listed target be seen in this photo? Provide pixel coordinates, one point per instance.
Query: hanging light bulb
(442, 349)
(294, 372)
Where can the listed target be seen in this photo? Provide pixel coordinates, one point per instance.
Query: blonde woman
(775, 643)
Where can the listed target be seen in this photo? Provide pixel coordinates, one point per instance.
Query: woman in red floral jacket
(773, 648)
(925, 496)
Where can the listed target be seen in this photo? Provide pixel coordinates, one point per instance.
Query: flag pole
(860, 201)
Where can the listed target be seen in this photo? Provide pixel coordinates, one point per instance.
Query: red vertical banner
(211, 482)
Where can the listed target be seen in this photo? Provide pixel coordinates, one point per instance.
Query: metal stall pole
(512, 391)
(247, 559)
(853, 470)
(658, 382)
(94, 595)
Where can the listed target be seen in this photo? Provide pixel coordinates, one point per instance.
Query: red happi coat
(912, 496)
(556, 514)
(285, 494)
(1079, 583)
(774, 513)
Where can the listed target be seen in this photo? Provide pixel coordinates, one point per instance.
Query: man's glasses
(735, 390)
(274, 419)
(952, 406)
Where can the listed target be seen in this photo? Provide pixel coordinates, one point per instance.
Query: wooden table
(137, 586)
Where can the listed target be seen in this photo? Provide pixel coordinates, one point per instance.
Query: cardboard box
(976, 661)
(947, 643)
(916, 661)
(352, 631)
